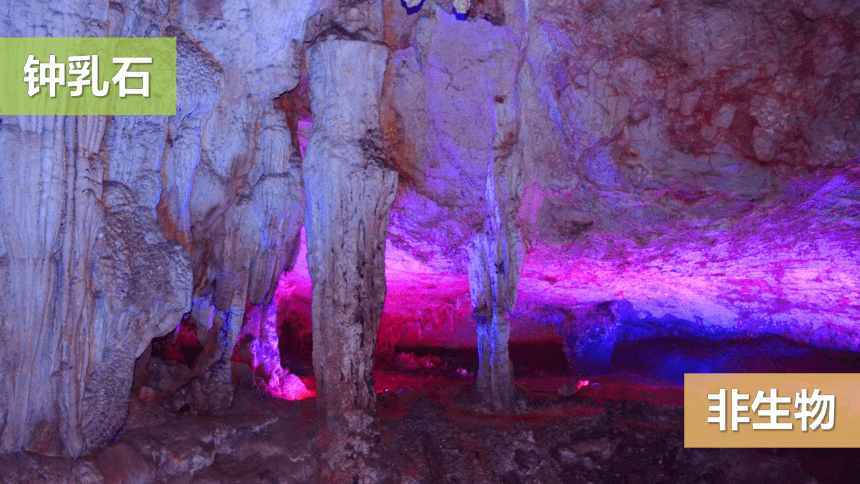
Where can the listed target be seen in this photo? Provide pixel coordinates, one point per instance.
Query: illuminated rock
(495, 259)
(692, 166)
(461, 7)
(350, 187)
(693, 182)
(118, 220)
(269, 374)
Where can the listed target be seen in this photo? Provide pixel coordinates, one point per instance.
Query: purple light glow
(782, 269)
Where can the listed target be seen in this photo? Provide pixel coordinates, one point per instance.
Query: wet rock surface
(426, 436)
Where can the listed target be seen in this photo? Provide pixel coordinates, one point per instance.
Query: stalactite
(257, 239)
(92, 280)
(96, 257)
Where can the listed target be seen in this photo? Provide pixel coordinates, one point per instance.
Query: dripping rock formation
(399, 218)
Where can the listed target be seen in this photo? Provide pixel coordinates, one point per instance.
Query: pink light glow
(423, 306)
(286, 386)
(272, 379)
(787, 267)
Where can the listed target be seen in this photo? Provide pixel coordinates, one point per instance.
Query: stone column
(349, 189)
(495, 259)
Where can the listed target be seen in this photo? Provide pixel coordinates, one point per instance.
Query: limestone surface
(115, 224)
(350, 187)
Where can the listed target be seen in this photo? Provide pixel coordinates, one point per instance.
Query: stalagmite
(495, 260)
(350, 187)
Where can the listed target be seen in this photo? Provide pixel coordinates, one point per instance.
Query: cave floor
(623, 429)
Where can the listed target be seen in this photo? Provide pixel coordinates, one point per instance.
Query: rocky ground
(429, 433)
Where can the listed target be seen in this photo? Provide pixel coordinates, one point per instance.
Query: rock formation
(269, 374)
(89, 276)
(495, 260)
(118, 222)
(593, 172)
(350, 187)
(673, 161)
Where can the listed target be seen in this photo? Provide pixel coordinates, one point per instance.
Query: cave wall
(693, 161)
(709, 153)
(115, 223)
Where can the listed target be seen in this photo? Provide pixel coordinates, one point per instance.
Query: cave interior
(430, 241)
